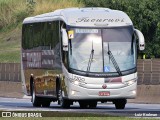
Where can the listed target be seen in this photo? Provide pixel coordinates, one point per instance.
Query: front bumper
(79, 93)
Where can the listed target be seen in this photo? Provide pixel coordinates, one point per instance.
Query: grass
(10, 56)
(12, 13)
(9, 11)
(10, 46)
(43, 7)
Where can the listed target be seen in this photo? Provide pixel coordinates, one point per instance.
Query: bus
(84, 55)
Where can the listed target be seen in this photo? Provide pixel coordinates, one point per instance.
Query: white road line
(27, 97)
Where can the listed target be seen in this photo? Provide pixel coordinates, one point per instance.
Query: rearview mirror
(141, 40)
(64, 39)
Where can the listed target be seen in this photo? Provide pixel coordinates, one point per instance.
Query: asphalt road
(132, 109)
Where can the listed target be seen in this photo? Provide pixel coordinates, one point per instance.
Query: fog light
(134, 91)
(72, 92)
(130, 82)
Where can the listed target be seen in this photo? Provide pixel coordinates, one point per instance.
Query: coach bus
(84, 55)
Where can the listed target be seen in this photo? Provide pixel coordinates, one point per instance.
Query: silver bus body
(102, 69)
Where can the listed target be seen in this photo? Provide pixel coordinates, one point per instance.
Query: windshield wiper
(114, 62)
(70, 42)
(90, 59)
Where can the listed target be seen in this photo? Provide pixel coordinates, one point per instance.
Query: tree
(145, 16)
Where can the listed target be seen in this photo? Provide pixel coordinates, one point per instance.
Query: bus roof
(85, 17)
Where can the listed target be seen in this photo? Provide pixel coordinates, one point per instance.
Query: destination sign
(87, 19)
(86, 30)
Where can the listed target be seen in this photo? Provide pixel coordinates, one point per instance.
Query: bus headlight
(72, 92)
(79, 83)
(76, 82)
(134, 91)
(130, 82)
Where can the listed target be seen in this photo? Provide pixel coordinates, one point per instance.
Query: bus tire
(83, 104)
(46, 104)
(120, 104)
(93, 104)
(35, 100)
(64, 103)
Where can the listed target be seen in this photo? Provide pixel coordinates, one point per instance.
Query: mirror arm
(141, 39)
(64, 39)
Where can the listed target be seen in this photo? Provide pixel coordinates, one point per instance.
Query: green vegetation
(144, 14)
(12, 13)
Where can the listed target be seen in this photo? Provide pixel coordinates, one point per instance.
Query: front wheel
(83, 105)
(46, 104)
(64, 103)
(120, 104)
(93, 104)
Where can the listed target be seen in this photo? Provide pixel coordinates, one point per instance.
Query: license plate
(104, 93)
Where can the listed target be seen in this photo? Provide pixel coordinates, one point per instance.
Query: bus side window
(24, 37)
(30, 37)
(37, 35)
(65, 58)
(27, 36)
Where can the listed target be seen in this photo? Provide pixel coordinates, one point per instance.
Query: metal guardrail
(10, 72)
(148, 72)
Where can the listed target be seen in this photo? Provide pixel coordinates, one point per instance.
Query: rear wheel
(35, 100)
(120, 104)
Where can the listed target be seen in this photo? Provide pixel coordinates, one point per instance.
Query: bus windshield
(102, 50)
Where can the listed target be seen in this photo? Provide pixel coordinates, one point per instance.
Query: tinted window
(40, 36)
(27, 42)
(123, 34)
